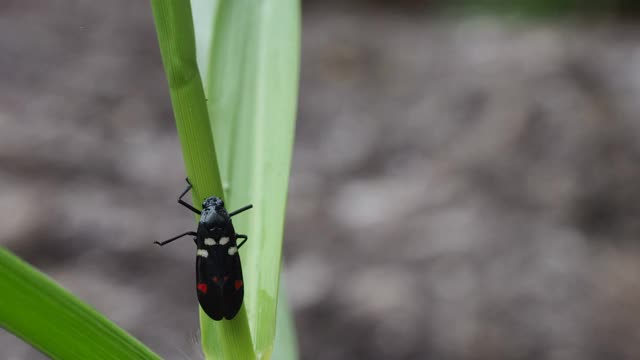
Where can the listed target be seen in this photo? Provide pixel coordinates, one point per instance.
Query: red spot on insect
(202, 287)
(215, 279)
(238, 284)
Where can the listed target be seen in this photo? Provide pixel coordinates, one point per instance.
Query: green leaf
(174, 26)
(251, 87)
(42, 313)
(248, 53)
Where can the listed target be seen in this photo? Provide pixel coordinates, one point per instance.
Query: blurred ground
(461, 188)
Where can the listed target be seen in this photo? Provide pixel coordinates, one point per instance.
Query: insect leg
(241, 236)
(245, 208)
(192, 233)
(183, 203)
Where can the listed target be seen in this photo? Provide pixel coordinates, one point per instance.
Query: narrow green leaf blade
(174, 26)
(42, 313)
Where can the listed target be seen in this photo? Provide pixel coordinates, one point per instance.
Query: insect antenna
(242, 209)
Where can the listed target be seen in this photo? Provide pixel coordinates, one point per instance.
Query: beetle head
(214, 214)
(213, 202)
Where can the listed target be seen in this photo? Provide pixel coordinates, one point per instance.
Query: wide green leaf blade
(251, 86)
(42, 313)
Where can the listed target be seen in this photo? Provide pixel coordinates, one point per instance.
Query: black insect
(218, 271)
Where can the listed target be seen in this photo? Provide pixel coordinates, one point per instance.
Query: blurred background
(465, 181)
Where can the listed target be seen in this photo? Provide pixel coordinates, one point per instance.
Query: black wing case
(219, 284)
(233, 287)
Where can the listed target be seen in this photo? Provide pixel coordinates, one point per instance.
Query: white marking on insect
(232, 250)
(209, 241)
(202, 252)
(224, 240)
